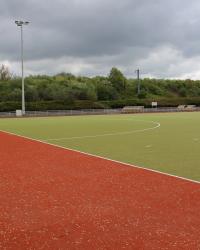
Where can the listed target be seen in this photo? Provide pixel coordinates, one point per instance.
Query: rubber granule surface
(53, 198)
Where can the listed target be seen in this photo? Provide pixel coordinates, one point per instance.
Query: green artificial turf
(174, 147)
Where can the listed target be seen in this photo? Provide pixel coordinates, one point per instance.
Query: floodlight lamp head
(20, 23)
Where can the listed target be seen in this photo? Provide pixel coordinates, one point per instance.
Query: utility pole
(138, 81)
(20, 24)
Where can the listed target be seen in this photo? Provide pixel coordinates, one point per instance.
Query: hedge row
(50, 105)
(162, 102)
(78, 104)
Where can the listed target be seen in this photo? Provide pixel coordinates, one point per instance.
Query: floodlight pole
(20, 24)
(22, 60)
(138, 81)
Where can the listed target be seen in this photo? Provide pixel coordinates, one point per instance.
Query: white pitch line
(107, 134)
(104, 158)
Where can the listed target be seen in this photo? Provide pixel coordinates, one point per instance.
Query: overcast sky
(88, 37)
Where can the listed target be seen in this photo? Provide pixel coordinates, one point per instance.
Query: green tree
(183, 92)
(117, 79)
(142, 94)
(105, 91)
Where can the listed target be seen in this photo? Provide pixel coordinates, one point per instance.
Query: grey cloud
(100, 33)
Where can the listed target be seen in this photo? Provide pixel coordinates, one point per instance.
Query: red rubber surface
(52, 198)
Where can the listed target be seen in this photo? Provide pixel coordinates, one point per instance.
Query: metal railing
(96, 112)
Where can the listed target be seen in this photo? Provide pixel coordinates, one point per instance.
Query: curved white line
(107, 134)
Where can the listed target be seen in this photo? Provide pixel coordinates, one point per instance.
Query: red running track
(53, 198)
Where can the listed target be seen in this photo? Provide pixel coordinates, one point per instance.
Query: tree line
(67, 91)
